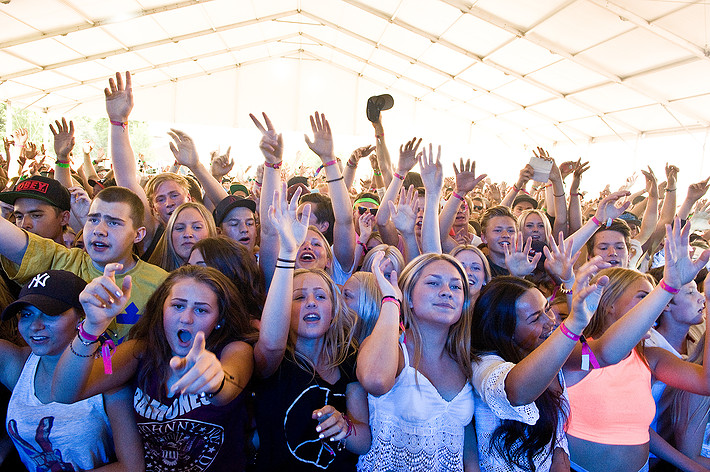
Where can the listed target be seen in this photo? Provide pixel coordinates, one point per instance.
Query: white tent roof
(523, 70)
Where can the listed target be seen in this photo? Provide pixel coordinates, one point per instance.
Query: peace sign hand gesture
(271, 144)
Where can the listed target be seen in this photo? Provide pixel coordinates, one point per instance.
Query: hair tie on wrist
(334, 180)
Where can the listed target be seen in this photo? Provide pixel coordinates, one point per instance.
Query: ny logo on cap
(39, 279)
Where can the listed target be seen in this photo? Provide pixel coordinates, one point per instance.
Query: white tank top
(414, 428)
(55, 436)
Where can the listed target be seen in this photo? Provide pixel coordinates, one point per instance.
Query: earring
(219, 325)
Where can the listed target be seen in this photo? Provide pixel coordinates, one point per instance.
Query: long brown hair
(233, 320)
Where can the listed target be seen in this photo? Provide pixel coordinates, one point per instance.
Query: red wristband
(668, 288)
(400, 177)
(596, 221)
(122, 124)
(275, 166)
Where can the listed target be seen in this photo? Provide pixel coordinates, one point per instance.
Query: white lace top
(414, 428)
(492, 406)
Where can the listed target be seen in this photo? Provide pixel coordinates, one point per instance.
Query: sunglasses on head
(362, 210)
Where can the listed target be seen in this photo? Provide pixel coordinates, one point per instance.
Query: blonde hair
(484, 260)
(368, 307)
(545, 221)
(619, 280)
(164, 255)
(458, 342)
(338, 340)
(391, 253)
(152, 185)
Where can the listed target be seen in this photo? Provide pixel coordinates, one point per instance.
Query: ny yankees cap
(53, 292)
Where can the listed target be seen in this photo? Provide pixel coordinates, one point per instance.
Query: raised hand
(87, 146)
(432, 170)
(102, 300)
(63, 138)
(408, 156)
(651, 182)
(388, 285)
(361, 152)
(21, 136)
(609, 207)
(272, 144)
(680, 268)
(671, 176)
(119, 98)
(518, 260)
(559, 260)
(80, 203)
(526, 173)
(292, 230)
(586, 296)
(183, 148)
(466, 179)
(366, 221)
(221, 165)
(199, 372)
(404, 215)
(322, 143)
(30, 151)
(697, 190)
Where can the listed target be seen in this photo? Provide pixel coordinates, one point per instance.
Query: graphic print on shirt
(46, 459)
(174, 444)
(314, 451)
(180, 445)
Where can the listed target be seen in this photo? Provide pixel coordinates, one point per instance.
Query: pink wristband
(400, 177)
(84, 335)
(122, 124)
(457, 196)
(596, 221)
(565, 330)
(668, 288)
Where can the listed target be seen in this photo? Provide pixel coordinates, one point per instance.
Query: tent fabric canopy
(552, 70)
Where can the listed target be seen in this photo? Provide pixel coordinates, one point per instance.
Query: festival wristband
(456, 195)
(122, 124)
(668, 288)
(275, 166)
(565, 330)
(400, 177)
(596, 221)
(329, 163)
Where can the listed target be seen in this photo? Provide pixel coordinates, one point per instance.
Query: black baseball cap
(228, 203)
(40, 188)
(53, 292)
(376, 104)
(525, 198)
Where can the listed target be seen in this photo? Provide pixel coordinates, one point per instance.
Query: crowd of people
(192, 322)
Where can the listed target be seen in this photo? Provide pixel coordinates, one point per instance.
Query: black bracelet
(563, 194)
(216, 392)
(93, 354)
(286, 260)
(334, 180)
(285, 267)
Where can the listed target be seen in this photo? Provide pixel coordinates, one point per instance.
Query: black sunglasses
(478, 207)
(362, 210)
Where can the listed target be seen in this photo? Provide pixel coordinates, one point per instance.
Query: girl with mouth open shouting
(187, 358)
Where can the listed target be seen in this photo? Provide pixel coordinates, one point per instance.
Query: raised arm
(383, 154)
(119, 103)
(667, 210)
(78, 374)
(353, 161)
(608, 208)
(526, 173)
(404, 216)
(650, 215)
(529, 378)
(466, 181)
(276, 316)
(575, 206)
(344, 234)
(695, 193)
(378, 362)
(558, 195)
(271, 146)
(407, 160)
(621, 337)
(63, 145)
(433, 179)
(183, 148)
